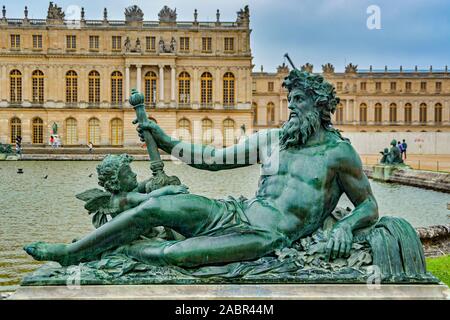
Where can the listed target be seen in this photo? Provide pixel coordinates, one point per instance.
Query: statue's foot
(42, 251)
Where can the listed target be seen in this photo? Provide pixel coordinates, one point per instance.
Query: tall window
(94, 131)
(15, 41)
(206, 44)
(228, 89)
(393, 113)
(270, 113)
(207, 131)
(423, 86)
(116, 43)
(377, 86)
(15, 86)
(71, 131)
(408, 113)
(438, 113)
(15, 129)
(37, 41)
(116, 132)
(363, 86)
(363, 113)
(393, 86)
(206, 89)
(184, 43)
(270, 86)
(378, 113)
(408, 86)
(150, 43)
(184, 129)
(116, 87)
(423, 113)
(184, 88)
(150, 88)
(229, 44)
(71, 42)
(339, 86)
(438, 86)
(71, 86)
(228, 132)
(37, 131)
(94, 42)
(94, 87)
(340, 114)
(37, 81)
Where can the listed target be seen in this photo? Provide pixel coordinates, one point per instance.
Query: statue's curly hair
(316, 87)
(108, 171)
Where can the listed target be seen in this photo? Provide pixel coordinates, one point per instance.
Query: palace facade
(196, 76)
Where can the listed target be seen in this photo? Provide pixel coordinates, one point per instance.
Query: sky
(407, 33)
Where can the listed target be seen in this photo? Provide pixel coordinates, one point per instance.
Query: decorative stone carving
(351, 68)
(134, 14)
(167, 15)
(243, 16)
(55, 12)
(283, 68)
(167, 48)
(127, 44)
(307, 67)
(327, 68)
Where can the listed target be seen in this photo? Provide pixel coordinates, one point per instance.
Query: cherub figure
(123, 192)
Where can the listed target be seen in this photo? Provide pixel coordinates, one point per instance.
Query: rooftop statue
(55, 12)
(327, 68)
(351, 68)
(134, 13)
(167, 15)
(290, 230)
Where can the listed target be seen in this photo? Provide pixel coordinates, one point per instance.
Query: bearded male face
(304, 120)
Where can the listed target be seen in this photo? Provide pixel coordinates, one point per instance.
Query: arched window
(228, 132)
(206, 89)
(15, 129)
(15, 86)
(438, 113)
(37, 82)
(184, 88)
(116, 132)
(207, 131)
(116, 87)
(94, 131)
(363, 113)
(393, 113)
(255, 113)
(37, 131)
(71, 131)
(340, 114)
(423, 113)
(150, 88)
(270, 113)
(94, 86)
(71, 86)
(228, 89)
(408, 113)
(184, 130)
(378, 113)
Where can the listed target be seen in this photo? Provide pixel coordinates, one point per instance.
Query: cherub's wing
(98, 204)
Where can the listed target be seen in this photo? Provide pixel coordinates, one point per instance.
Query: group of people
(55, 141)
(402, 146)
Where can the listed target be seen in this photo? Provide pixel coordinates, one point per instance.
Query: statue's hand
(151, 126)
(175, 189)
(340, 241)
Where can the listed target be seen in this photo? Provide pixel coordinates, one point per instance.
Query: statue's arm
(356, 186)
(245, 153)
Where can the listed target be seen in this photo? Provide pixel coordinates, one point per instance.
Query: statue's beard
(297, 130)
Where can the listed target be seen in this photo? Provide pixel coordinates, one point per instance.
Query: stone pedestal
(230, 291)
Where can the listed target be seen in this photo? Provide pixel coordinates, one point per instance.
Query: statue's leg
(185, 213)
(204, 250)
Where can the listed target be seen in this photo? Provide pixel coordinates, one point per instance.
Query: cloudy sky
(317, 31)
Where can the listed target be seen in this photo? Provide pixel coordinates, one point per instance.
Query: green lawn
(440, 267)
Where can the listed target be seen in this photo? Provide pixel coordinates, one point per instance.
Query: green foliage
(440, 267)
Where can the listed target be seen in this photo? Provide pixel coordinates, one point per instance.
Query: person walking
(404, 146)
(52, 141)
(90, 146)
(19, 146)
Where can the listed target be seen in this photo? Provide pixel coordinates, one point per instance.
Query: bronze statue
(393, 156)
(306, 166)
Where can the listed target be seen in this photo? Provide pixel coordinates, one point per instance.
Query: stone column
(430, 112)
(138, 78)
(217, 88)
(161, 85)
(415, 113)
(346, 115)
(26, 86)
(172, 86)
(127, 81)
(195, 94)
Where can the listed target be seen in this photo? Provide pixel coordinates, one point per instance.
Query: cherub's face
(127, 179)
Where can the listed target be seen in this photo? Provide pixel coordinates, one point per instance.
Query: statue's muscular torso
(296, 198)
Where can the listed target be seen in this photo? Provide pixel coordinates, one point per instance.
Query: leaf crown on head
(108, 171)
